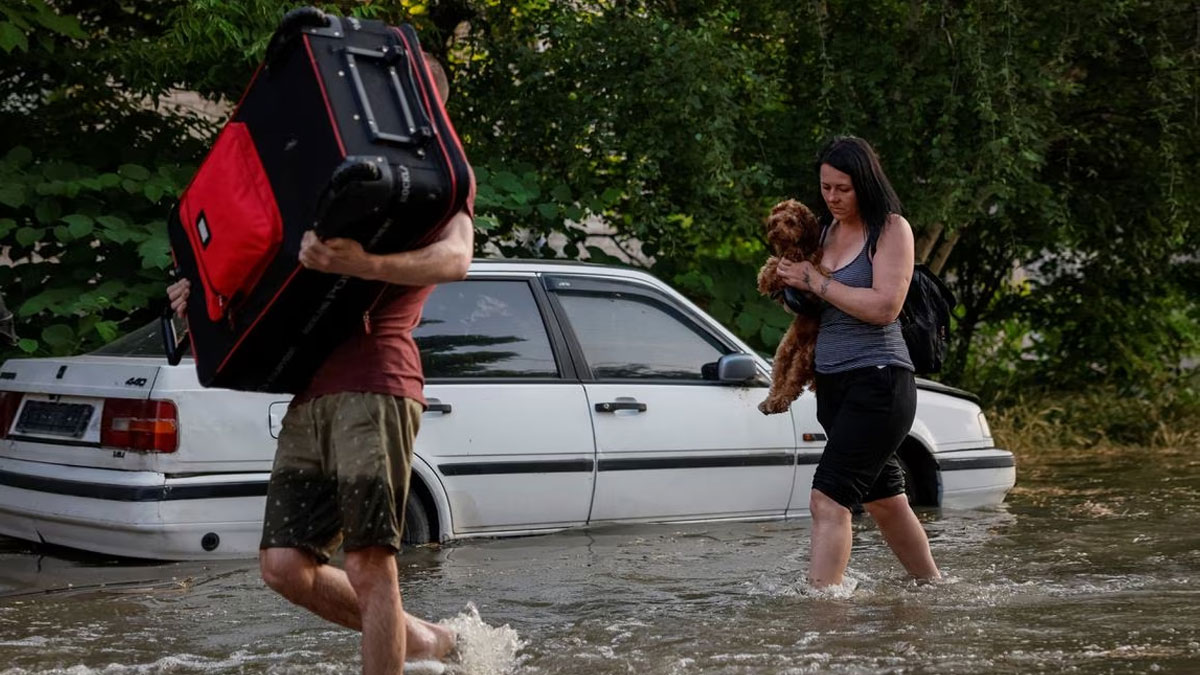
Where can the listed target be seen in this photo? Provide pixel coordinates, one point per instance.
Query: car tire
(417, 528)
(910, 483)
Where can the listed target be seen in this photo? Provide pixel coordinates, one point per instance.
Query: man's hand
(178, 293)
(336, 256)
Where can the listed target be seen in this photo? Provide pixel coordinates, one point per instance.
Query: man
(344, 454)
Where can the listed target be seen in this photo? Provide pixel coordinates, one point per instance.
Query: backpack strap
(825, 232)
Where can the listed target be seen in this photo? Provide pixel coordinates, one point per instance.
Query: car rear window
(143, 341)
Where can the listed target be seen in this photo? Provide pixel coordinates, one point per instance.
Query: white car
(560, 395)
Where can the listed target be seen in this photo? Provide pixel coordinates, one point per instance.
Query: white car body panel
(511, 458)
(489, 425)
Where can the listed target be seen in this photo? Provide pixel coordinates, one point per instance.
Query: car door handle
(436, 406)
(614, 406)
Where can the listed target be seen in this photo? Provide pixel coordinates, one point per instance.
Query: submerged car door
(671, 441)
(507, 430)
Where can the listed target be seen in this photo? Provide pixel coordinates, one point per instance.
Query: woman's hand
(802, 275)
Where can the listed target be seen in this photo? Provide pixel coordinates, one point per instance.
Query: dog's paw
(772, 406)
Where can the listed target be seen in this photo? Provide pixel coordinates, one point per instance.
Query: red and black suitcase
(342, 131)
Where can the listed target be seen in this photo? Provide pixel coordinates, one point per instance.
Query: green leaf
(19, 156)
(28, 346)
(58, 336)
(12, 195)
(112, 222)
(155, 252)
(154, 192)
(131, 186)
(12, 37)
(561, 193)
(27, 236)
(63, 234)
(108, 330)
(47, 211)
(7, 225)
(79, 225)
(548, 211)
(770, 336)
(508, 181)
(64, 25)
(486, 223)
(748, 324)
(134, 172)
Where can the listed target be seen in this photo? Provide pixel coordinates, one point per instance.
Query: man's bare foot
(427, 641)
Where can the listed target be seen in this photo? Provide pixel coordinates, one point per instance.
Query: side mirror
(736, 368)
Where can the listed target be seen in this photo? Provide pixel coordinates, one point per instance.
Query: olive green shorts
(341, 473)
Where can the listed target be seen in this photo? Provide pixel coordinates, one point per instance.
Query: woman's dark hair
(876, 198)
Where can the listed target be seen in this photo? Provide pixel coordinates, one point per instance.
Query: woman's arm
(444, 260)
(892, 270)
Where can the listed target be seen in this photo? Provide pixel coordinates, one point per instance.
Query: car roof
(538, 266)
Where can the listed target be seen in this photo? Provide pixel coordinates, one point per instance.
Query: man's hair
(439, 76)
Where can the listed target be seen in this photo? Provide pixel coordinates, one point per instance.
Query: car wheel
(910, 483)
(417, 528)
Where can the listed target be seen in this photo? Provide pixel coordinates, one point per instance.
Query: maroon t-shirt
(383, 361)
(381, 356)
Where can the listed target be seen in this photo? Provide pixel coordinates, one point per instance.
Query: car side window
(483, 329)
(633, 336)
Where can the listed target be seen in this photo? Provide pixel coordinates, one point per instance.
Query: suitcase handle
(171, 342)
(290, 26)
(415, 129)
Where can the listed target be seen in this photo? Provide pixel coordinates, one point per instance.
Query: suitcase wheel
(358, 189)
(354, 171)
(290, 26)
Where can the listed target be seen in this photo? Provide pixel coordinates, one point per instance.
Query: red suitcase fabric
(232, 220)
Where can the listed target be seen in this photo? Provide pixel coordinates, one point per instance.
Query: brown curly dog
(793, 233)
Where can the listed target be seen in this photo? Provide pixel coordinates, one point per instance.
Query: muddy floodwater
(1091, 566)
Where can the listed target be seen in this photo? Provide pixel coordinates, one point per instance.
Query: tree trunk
(925, 242)
(943, 252)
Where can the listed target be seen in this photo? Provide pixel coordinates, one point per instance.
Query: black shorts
(866, 413)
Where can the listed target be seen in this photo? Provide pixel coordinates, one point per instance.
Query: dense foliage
(1047, 153)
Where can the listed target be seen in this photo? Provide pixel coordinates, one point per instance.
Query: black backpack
(925, 320)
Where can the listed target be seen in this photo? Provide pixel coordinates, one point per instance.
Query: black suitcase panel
(349, 138)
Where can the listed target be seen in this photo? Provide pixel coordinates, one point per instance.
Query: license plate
(54, 419)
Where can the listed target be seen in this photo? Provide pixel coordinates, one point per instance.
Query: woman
(866, 394)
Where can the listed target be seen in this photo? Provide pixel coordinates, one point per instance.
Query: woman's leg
(831, 540)
(904, 535)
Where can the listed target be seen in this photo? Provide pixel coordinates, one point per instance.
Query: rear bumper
(975, 477)
(133, 514)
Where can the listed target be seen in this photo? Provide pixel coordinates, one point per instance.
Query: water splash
(482, 649)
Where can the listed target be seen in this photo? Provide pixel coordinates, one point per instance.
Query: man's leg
(327, 592)
(904, 534)
(372, 574)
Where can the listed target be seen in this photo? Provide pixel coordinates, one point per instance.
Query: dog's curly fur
(793, 233)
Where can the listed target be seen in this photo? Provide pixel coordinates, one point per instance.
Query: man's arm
(441, 261)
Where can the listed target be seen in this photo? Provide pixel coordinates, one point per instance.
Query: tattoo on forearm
(825, 286)
(806, 280)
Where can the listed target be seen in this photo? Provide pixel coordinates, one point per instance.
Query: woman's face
(837, 189)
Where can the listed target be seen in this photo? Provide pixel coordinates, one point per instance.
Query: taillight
(134, 424)
(10, 401)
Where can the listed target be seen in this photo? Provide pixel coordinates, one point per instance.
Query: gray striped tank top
(845, 343)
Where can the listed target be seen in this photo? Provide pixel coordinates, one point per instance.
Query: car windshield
(143, 341)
